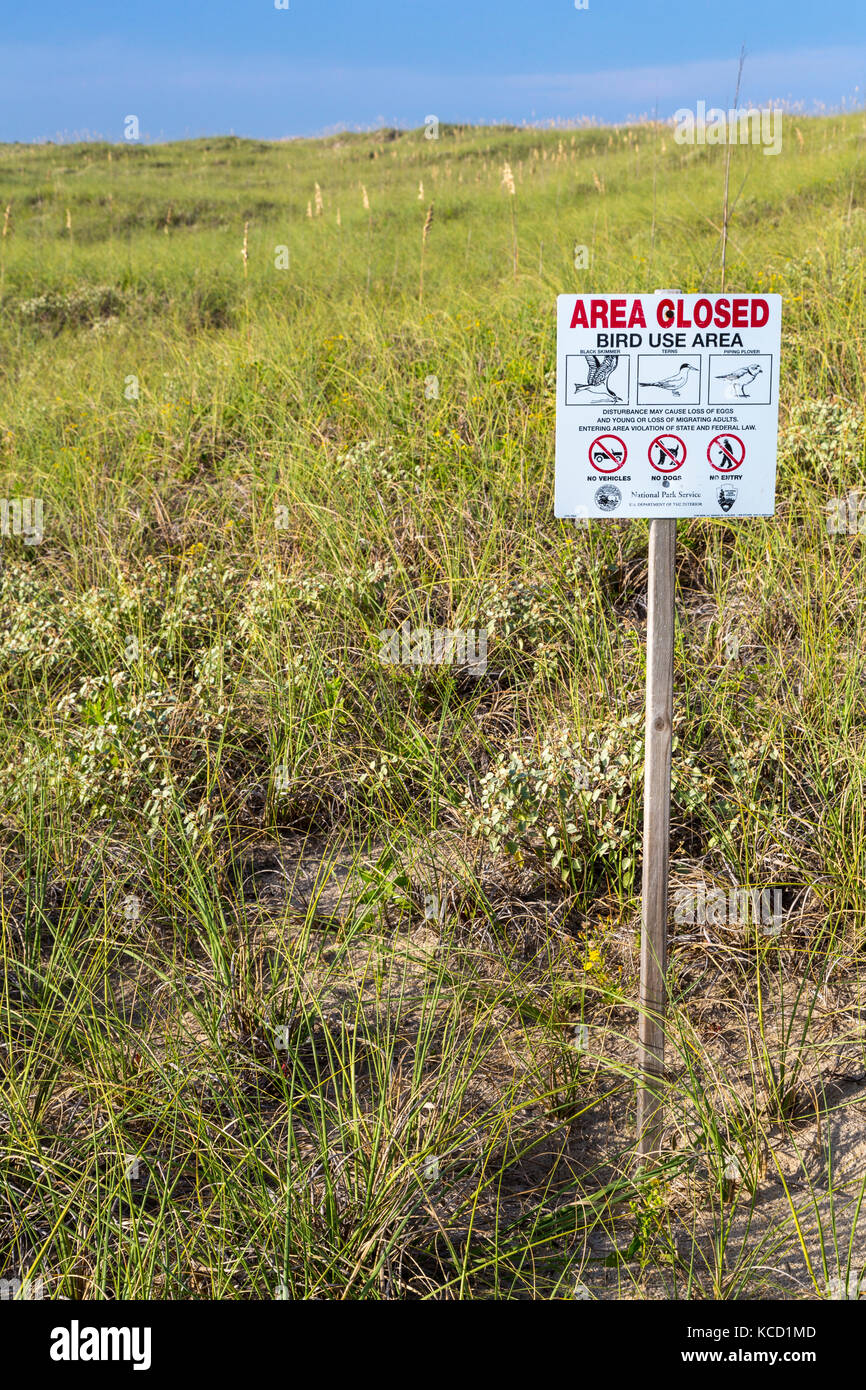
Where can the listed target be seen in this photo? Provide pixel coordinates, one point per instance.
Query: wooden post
(656, 830)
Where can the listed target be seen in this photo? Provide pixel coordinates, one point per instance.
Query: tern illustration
(598, 370)
(674, 383)
(741, 379)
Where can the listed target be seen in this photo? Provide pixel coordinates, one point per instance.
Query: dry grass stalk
(428, 223)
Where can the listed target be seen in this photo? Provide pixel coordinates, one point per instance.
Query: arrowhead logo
(727, 498)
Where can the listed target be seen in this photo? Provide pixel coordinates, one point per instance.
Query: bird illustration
(598, 370)
(674, 383)
(741, 379)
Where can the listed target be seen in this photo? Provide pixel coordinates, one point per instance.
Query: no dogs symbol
(667, 453)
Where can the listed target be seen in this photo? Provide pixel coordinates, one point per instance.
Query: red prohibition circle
(667, 446)
(607, 452)
(729, 445)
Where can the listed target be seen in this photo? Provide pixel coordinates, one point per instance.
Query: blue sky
(70, 69)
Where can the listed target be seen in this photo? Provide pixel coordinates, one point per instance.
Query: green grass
(248, 474)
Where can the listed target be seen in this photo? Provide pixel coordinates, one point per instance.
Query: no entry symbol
(607, 453)
(726, 452)
(667, 453)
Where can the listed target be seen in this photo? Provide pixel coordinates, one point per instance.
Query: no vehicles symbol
(726, 452)
(607, 453)
(667, 453)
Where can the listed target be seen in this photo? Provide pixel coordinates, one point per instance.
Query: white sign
(667, 405)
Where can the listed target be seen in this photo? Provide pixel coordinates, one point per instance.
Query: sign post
(656, 832)
(666, 407)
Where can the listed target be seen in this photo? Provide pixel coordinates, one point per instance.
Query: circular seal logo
(608, 497)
